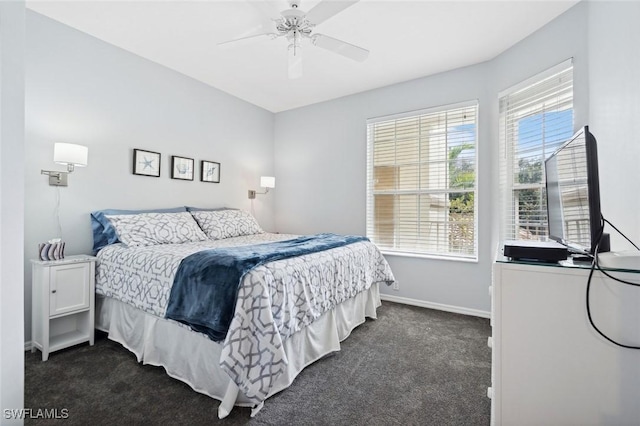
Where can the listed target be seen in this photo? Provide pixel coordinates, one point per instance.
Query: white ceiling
(407, 40)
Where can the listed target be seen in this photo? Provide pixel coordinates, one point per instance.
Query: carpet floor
(411, 366)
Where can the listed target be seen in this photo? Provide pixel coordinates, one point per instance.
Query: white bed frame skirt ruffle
(195, 359)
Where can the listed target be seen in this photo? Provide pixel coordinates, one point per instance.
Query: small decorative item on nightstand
(51, 250)
(62, 303)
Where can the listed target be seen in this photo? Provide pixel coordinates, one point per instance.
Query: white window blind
(535, 119)
(421, 181)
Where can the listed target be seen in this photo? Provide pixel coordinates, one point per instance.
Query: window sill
(430, 256)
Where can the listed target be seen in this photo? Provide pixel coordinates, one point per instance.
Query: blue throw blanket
(206, 284)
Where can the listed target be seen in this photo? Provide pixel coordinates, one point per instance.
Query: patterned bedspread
(275, 300)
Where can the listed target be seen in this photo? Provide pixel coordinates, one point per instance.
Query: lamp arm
(51, 172)
(56, 178)
(252, 193)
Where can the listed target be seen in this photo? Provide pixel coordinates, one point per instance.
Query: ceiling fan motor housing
(294, 14)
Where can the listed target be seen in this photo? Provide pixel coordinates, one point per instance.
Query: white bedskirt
(195, 359)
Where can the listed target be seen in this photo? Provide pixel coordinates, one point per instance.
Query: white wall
(321, 157)
(82, 90)
(12, 23)
(614, 93)
(614, 116)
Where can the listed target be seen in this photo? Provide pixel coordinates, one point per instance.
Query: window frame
(371, 192)
(510, 217)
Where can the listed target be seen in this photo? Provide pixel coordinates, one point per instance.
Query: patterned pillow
(147, 229)
(226, 223)
(103, 232)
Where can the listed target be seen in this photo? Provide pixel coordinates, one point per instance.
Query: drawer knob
(53, 291)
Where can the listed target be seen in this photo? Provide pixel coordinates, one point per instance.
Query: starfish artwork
(146, 163)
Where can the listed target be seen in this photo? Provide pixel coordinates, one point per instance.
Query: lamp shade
(69, 153)
(267, 181)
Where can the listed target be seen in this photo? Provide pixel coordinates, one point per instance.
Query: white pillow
(147, 229)
(226, 223)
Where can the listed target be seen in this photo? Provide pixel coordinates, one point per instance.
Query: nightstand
(62, 303)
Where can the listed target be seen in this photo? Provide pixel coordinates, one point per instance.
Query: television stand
(549, 367)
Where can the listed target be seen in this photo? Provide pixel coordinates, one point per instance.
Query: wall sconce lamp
(266, 182)
(69, 154)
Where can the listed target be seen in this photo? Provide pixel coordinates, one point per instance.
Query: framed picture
(146, 163)
(209, 171)
(181, 168)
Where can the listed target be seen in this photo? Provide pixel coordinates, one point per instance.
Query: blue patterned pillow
(103, 232)
(227, 223)
(147, 229)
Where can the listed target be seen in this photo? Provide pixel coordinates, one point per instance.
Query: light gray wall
(12, 27)
(614, 89)
(321, 156)
(614, 94)
(82, 90)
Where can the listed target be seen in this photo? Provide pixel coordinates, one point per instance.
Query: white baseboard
(438, 306)
(27, 346)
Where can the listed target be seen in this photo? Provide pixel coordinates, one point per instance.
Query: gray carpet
(411, 366)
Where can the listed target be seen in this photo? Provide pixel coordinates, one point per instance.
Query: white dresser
(549, 366)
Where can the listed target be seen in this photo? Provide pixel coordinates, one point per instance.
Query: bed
(286, 312)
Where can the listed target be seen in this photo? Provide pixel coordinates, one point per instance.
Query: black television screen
(573, 193)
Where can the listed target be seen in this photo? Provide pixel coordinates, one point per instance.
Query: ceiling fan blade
(340, 47)
(241, 41)
(326, 9)
(268, 13)
(295, 62)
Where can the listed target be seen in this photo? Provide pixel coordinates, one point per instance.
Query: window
(421, 181)
(536, 117)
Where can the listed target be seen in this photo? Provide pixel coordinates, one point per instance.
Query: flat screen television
(573, 195)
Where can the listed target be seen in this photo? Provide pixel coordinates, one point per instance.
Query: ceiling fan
(295, 26)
